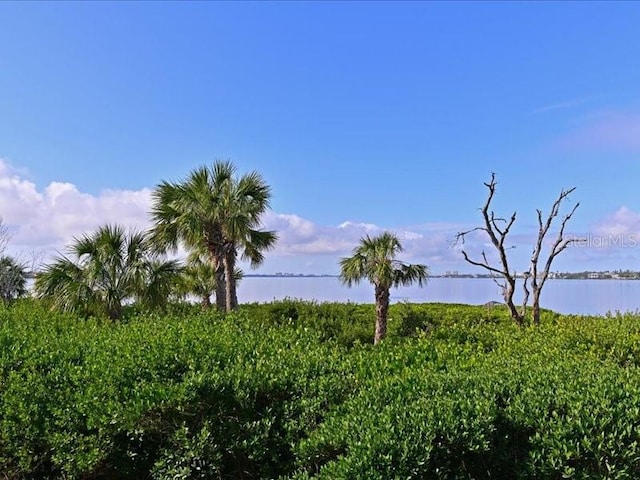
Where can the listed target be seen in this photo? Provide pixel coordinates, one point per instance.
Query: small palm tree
(109, 268)
(198, 279)
(157, 282)
(13, 279)
(374, 260)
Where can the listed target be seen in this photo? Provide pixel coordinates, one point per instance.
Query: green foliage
(345, 323)
(198, 278)
(293, 390)
(192, 395)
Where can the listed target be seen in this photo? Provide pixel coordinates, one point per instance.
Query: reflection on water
(565, 296)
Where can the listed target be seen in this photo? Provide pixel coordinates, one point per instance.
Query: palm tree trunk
(221, 291)
(229, 267)
(382, 310)
(114, 312)
(205, 302)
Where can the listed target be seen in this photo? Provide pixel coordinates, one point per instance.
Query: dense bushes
(351, 323)
(163, 397)
(295, 390)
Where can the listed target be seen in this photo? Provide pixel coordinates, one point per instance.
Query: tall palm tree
(13, 279)
(188, 212)
(244, 201)
(214, 212)
(374, 260)
(108, 268)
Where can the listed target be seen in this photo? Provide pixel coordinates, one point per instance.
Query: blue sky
(362, 117)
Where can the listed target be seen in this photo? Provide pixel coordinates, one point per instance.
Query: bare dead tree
(4, 236)
(538, 279)
(497, 229)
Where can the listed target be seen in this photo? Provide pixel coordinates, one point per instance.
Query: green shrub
(295, 390)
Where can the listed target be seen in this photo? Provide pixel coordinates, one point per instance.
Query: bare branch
(460, 236)
(559, 245)
(4, 236)
(484, 264)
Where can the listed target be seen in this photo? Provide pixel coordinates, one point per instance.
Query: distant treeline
(586, 275)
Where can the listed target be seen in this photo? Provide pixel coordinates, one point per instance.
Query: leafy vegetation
(198, 278)
(295, 390)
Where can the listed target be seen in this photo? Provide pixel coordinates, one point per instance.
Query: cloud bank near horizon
(45, 220)
(50, 218)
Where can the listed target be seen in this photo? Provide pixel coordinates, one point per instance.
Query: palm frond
(353, 269)
(406, 275)
(374, 259)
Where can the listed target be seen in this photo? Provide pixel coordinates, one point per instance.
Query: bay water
(586, 297)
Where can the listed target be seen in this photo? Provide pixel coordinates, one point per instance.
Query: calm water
(565, 296)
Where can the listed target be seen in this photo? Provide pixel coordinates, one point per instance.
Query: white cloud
(623, 221)
(49, 219)
(365, 227)
(298, 236)
(610, 243)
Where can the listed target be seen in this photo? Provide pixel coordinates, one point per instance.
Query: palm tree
(198, 279)
(244, 201)
(159, 282)
(374, 259)
(109, 268)
(13, 279)
(213, 212)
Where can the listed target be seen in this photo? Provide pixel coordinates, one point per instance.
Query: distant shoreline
(600, 276)
(288, 275)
